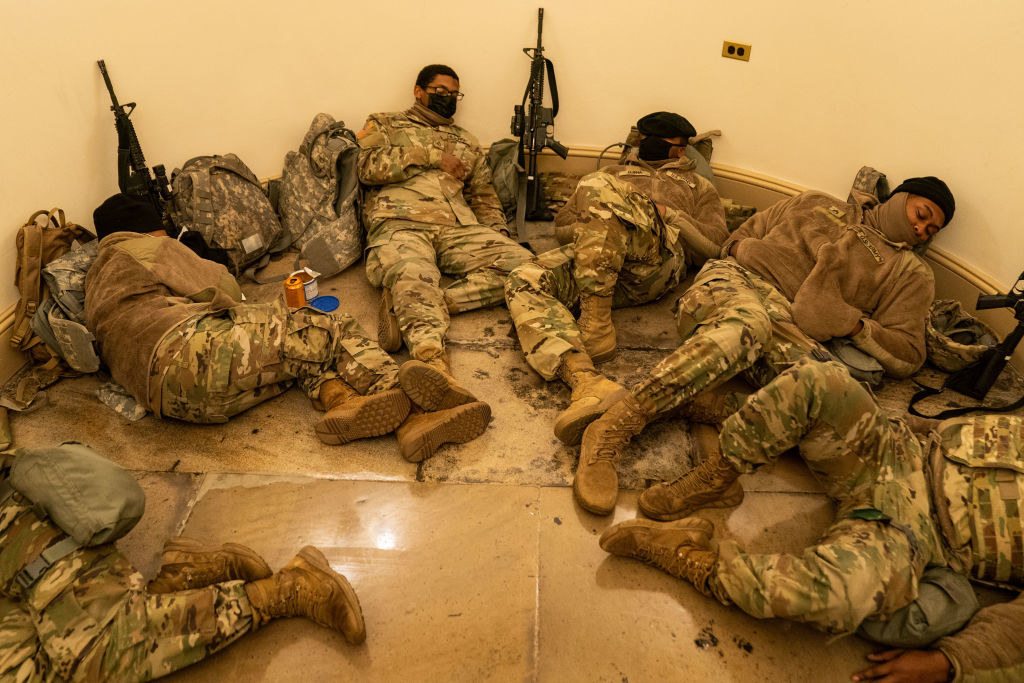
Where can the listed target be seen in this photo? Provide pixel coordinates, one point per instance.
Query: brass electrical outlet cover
(738, 51)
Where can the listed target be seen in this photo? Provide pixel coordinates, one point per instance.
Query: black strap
(552, 86)
(926, 391)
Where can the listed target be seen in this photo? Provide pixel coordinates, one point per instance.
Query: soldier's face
(678, 150)
(446, 82)
(925, 217)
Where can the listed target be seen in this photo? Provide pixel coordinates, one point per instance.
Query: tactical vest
(983, 483)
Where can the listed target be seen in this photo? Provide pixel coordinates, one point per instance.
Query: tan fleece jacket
(824, 256)
(139, 289)
(991, 646)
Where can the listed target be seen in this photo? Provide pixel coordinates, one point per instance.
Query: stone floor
(475, 564)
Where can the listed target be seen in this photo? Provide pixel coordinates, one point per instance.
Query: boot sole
(604, 357)
(184, 544)
(728, 499)
(375, 417)
(467, 423)
(429, 388)
(389, 334)
(357, 633)
(571, 433)
(701, 528)
(589, 507)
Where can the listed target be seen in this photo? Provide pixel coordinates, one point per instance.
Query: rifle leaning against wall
(977, 378)
(531, 123)
(133, 176)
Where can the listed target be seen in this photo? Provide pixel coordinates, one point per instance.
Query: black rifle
(532, 123)
(133, 176)
(977, 378)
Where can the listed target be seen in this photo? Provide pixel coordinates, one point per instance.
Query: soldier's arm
(481, 196)
(894, 333)
(704, 229)
(991, 646)
(382, 163)
(758, 225)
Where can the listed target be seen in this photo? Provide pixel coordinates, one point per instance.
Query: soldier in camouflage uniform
(174, 331)
(430, 208)
(905, 502)
(87, 615)
(806, 270)
(636, 228)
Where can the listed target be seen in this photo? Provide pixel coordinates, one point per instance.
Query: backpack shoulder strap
(27, 279)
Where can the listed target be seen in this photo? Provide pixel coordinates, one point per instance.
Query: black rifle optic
(133, 176)
(532, 123)
(977, 378)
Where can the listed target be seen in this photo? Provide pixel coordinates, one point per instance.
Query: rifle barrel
(110, 86)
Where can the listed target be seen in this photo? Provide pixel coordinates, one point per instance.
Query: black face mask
(654, 149)
(441, 104)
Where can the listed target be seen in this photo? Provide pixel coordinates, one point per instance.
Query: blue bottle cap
(325, 303)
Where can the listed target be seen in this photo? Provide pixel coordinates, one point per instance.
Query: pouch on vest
(988, 452)
(90, 498)
(71, 339)
(945, 602)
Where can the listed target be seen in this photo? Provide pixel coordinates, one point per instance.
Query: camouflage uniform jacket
(837, 270)
(690, 200)
(140, 289)
(400, 164)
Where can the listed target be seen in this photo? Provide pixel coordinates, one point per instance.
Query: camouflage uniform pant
(732, 321)
(867, 563)
(408, 259)
(539, 295)
(213, 367)
(89, 618)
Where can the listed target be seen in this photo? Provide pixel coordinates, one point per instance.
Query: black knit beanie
(931, 188)
(665, 124)
(127, 213)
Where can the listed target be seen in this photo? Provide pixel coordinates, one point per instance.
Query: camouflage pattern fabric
(983, 481)
(954, 338)
(736, 214)
(410, 262)
(318, 192)
(558, 187)
(215, 366)
(400, 165)
(871, 182)
(220, 198)
(868, 563)
(120, 400)
(88, 617)
(731, 321)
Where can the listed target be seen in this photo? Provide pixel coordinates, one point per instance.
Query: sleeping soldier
(636, 228)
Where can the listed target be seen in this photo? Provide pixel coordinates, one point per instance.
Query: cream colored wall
(914, 87)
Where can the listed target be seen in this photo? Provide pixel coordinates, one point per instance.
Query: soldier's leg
(481, 260)
(538, 295)
(406, 265)
(859, 569)
(21, 657)
(726, 328)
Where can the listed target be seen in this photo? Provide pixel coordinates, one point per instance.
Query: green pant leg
(857, 570)
(322, 346)
(726, 328)
(406, 265)
(538, 296)
(186, 627)
(841, 432)
(480, 259)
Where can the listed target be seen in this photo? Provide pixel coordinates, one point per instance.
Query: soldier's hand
(922, 666)
(453, 166)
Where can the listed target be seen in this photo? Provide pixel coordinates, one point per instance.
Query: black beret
(931, 188)
(125, 212)
(665, 124)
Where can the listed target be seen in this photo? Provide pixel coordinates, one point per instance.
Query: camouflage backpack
(501, 158)
(60, 320)
(221, 199)
(319, 193)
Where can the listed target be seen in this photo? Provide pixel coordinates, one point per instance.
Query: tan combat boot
(423, 433)
(596, 483)
(596, 327)
(351, 416)
(592, 394)
(679, 548)
(187, 563)
(432, 388)
(308, 587)
(389, 334)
